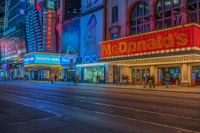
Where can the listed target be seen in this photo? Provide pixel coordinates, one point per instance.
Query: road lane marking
(121, 117)
(81, 100)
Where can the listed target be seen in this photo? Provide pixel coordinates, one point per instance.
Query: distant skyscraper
(12, 40)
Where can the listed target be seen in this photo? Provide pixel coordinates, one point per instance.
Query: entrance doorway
(139, 74)
(116, 74)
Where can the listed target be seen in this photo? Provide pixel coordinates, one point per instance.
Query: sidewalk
(179, 89)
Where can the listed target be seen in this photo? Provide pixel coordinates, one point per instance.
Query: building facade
(48, 26)
(42, 59)
(156, 38)
(91, 33)
(12, 41)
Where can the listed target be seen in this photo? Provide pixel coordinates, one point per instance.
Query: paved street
(36, 107)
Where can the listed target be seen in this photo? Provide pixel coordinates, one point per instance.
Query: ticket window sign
(47, 59)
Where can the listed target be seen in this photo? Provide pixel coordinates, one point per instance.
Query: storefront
(69, 72)
(43, 66)
(172, 54)
(12, 70)
(140, 74)
(91, 73)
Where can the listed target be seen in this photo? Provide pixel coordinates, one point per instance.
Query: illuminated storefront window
(168, 13)
(92, 74)
(140, 18)
(172, 74)
(196, 76)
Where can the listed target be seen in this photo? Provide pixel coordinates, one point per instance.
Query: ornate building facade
(157, 38)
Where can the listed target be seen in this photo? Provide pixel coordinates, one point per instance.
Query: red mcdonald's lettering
(155, 41)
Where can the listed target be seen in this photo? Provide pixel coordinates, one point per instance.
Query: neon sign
(49, 29)
(91, 59)
(181, 37)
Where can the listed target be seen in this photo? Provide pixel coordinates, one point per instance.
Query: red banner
(173, 38)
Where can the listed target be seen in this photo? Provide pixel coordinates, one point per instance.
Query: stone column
(126, 71)
(153, 72)
(109, 74)
(185, 75)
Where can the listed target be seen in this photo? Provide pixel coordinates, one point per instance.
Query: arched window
(140, 18)
(193, 11)
(168, 13)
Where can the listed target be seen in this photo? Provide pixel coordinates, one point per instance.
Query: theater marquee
(168, 39)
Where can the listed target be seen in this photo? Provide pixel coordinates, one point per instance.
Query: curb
(142, 89)
(114, 86)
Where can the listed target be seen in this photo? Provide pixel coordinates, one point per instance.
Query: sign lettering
(156, 41)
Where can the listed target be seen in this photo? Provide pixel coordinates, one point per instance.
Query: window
(115, 14)
(194, 11)
(140, 18)
(115, 36)
(168, 13)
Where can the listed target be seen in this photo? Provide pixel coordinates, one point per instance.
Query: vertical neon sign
(49, 29)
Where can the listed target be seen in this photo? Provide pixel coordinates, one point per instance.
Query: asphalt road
(44, 108)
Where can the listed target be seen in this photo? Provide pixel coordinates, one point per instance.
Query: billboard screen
(71, 37)
(12, 47)
(91, 35)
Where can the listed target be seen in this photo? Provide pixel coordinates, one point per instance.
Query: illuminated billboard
(48, 59)
(12, 47)
(71, 37)
(91, 35)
